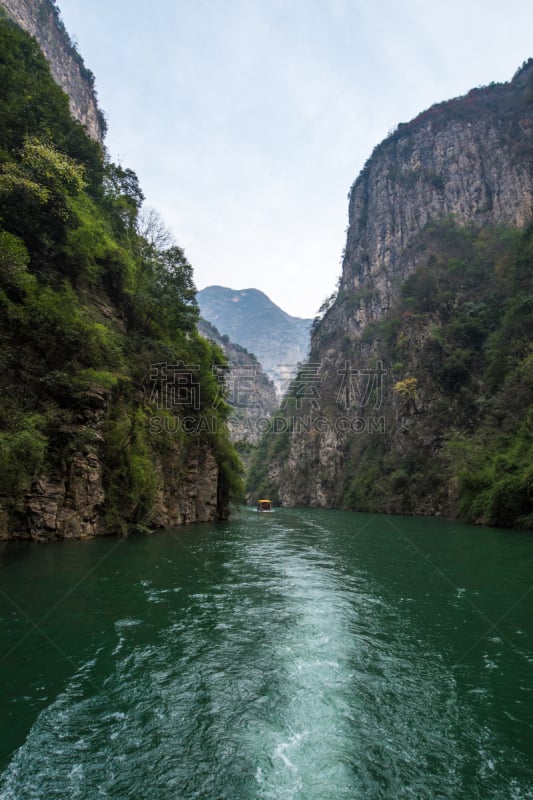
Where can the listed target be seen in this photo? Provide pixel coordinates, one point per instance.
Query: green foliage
(420, 291)
(163, 299)
(273, 447)
(467, 312)
(131, 477)
(102, 378)
(14, 260)
(511, 340)
(231, 472)
(496, 477)
(90, 245)
(36, 192)
(22, 452)
(122, 198)
(31, 104)
(458, 353)
(90, 301)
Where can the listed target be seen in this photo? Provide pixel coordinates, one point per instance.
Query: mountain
(250, 318)
(418, 395)
(42, 19)
(250, 394)
(110, 417)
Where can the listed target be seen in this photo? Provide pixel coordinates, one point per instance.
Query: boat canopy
(264, 505)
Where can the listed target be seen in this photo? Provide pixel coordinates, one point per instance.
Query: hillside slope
(250, 395)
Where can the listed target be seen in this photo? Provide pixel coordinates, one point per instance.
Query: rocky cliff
(249, 392)
(416, 356)
(110, 413)
(41, 19)
(68, 501)
(469, 158)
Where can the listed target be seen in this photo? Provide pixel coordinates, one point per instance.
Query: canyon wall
(41, 19)
(379, 398)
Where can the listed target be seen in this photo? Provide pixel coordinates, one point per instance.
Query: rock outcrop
(466, 163)
(468, 158)
(188, 491)
(69, 501)
(249, 392)
(41, 19)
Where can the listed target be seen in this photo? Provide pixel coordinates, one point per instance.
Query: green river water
(301, 654)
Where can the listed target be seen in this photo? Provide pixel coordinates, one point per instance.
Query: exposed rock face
(41, 19)
(68, 508)
(69, 502)
(188, 490)
(250, 393)
(470, 159)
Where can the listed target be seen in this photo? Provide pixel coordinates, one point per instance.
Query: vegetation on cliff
(461, 436)
(457, 406)
(42, 19)
(417, 397)
(94, 297)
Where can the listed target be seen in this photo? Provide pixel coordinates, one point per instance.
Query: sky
(247, 121)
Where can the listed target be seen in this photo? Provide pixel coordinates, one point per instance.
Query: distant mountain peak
(250, 318)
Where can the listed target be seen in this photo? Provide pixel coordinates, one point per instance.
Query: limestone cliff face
(68, 501)
(40, 18)
(469, 160)
(188, 488)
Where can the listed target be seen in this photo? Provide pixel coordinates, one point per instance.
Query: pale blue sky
(247, 121)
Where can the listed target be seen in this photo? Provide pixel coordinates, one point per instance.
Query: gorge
(330, 652)
(417, 396)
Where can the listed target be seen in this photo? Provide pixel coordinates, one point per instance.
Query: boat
(264, 506)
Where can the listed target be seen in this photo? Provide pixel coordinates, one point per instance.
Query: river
(306, 654)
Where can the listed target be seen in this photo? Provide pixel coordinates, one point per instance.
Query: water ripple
(292, 667)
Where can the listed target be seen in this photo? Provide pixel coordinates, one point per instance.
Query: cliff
(111, 418)
(70, 498)
(41, 19)
(250, 393)
(417, 395)
(468, 158)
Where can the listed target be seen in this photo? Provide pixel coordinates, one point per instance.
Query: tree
(36, 193)
(123, 197)
(407, 391)
(153, 230)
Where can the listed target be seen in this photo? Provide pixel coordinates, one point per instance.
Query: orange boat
(264, 506)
